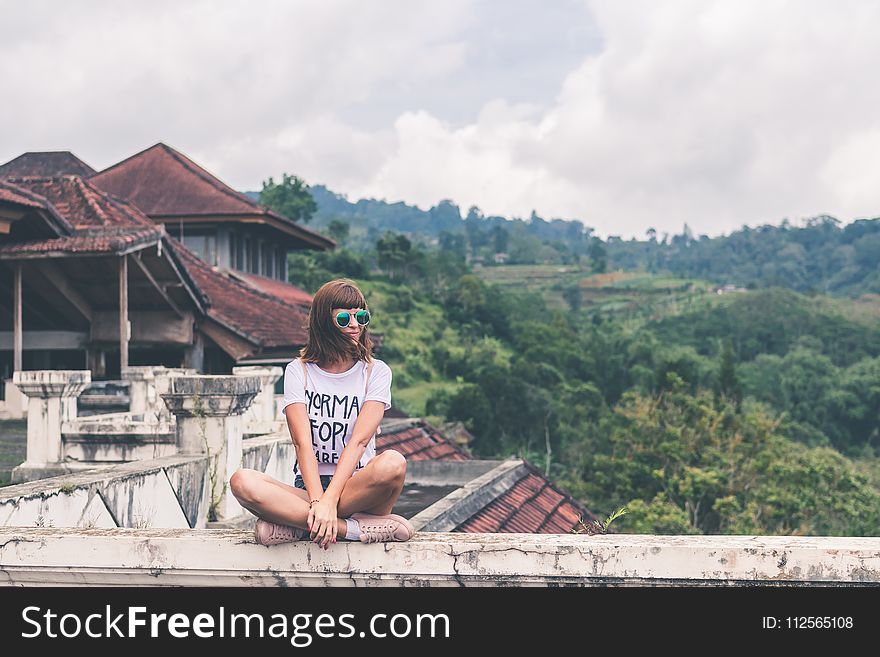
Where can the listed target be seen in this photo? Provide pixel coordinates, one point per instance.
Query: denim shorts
(325, 481)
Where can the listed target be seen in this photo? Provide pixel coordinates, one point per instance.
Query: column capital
(52, 383)
(210, 396)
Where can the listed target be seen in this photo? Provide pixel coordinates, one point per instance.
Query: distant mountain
(818, 256)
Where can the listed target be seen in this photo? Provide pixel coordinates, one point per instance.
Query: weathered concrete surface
(165, 492)
(92, 442)
(190, 480)
(45, 556)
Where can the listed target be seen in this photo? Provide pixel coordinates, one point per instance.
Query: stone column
(140, 380)
(261, 416)
(51, 395)
(208, 411)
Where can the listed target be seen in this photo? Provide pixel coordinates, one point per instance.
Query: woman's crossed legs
(373, 490)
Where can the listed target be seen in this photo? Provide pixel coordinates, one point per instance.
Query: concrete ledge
(131, 557)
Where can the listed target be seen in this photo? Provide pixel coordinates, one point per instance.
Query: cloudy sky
(626, 115)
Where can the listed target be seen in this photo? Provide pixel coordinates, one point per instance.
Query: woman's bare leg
(273, 500)
(376, 487)
(373, 490)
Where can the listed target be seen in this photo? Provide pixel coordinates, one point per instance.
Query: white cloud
(711, 113)
(714, 114)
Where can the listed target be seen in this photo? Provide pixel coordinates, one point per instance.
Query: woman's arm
(364, 427)
(301, 434)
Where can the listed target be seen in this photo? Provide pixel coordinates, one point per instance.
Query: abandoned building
(90, 280)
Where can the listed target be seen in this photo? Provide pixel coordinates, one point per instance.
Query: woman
(335, 395)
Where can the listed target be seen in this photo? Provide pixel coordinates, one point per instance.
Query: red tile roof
(120, 241)
(533, 505)
(95, 223)
(420, 442)
(48, 163)
(165, 183)
(259, 318)
(15, 194)
(84, 205)
(279, 289)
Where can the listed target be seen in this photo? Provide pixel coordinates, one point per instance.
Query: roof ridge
(88, 195)
(121, 162)
(210, 178)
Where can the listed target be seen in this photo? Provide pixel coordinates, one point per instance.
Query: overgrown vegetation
(753, 411)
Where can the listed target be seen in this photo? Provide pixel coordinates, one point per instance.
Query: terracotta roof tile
(49, 163)
(84, 205)
(96, 222)
(420, 443)
(531, 505)
(84, 244)
(247, 311)
(14, 194)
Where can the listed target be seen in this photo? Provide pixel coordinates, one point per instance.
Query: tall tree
(290, 197)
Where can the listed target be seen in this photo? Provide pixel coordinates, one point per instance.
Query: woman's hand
(322, 522)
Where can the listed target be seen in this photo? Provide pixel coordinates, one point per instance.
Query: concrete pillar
(208, 411)
(140, 380)
(261, 416)
(51, 395)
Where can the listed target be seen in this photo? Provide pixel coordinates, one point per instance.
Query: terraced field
(632, 296)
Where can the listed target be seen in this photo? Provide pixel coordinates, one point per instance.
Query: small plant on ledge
(597, 526)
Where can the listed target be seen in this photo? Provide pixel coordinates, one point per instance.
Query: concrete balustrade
(262, 416)
(51, 400)
(209, 421)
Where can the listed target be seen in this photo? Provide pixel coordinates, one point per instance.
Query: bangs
(347, 296)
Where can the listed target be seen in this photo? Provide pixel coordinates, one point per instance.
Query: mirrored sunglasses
(343, 319)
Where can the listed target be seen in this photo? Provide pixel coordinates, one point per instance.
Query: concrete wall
(166, 492)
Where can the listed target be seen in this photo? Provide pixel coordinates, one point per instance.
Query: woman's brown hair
(327, 344)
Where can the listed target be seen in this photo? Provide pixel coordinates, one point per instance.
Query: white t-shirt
(334, 402)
